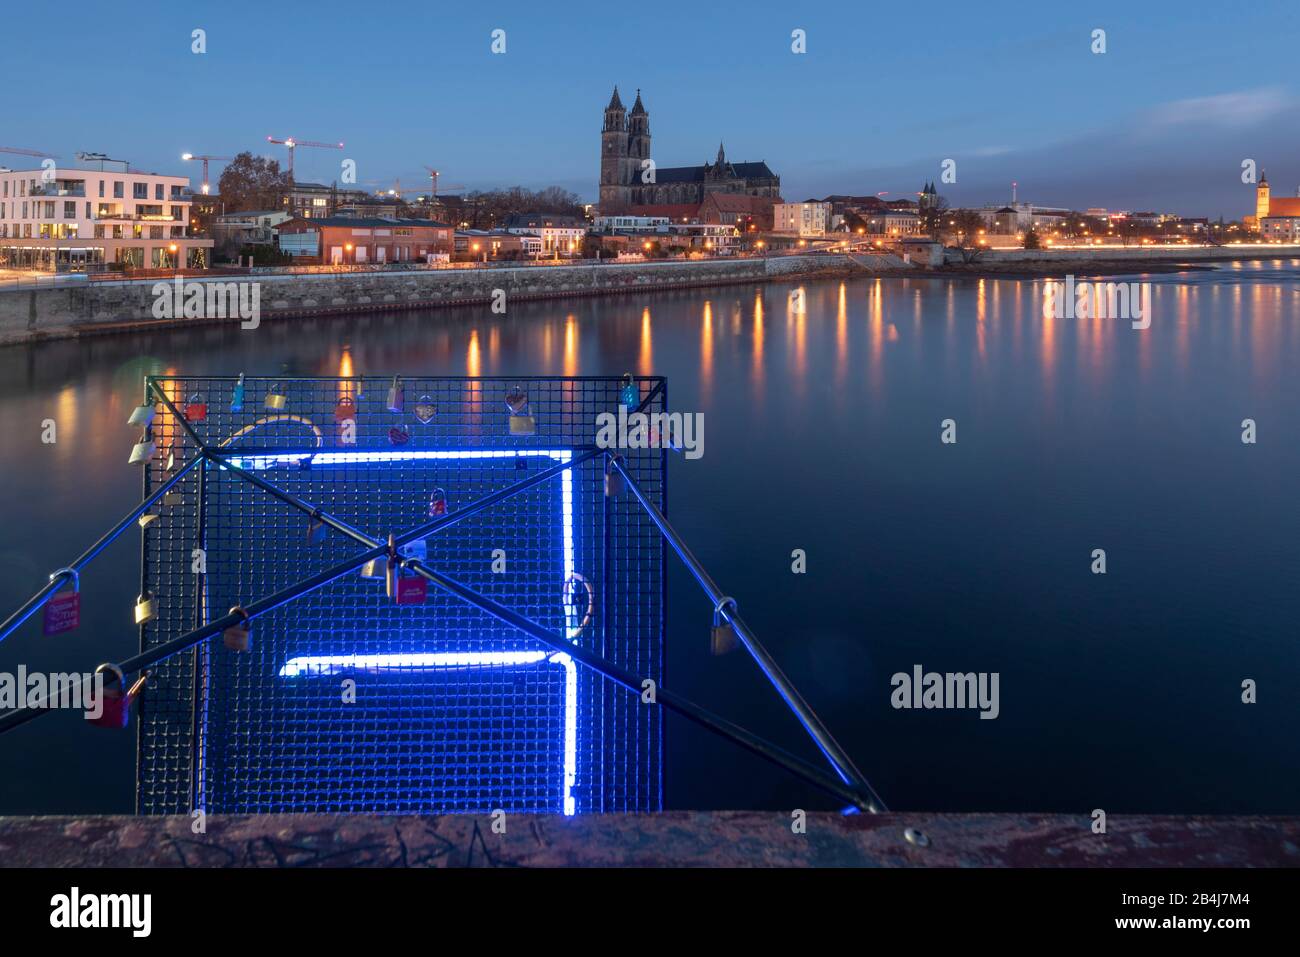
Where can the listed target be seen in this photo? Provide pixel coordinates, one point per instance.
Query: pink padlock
(115, 701)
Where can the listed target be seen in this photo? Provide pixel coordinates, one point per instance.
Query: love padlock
(346, 409)
(425, 410)
(614, 484)
(629, 396)
(275, 399)
(239, 636)
(521, 420)
(722, 638)
(146, 609)
(142, 416)
(316, 531)
(237, 395)
(437, 503)
(396, 396)
(196, 410)
(410, 589)
(142, 452)
(115, 700)
(398, 435)
(63, 611)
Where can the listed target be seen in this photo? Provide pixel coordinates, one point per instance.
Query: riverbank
(106, 307)
(76, 309)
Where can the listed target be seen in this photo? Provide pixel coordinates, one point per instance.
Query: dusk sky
(884, 94)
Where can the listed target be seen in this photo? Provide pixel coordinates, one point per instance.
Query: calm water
(822, 433)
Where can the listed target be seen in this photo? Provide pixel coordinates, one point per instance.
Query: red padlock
(412, 590)
(63, 612)
(398, 435)
(238, 637)
(195, 411)
(404, 588)
(438, 503)
(114, 701)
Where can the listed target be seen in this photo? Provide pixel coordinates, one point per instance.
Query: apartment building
(802, 219)
(66, 220)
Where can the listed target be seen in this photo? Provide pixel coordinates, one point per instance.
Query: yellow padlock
(145, 609)
(275, 399)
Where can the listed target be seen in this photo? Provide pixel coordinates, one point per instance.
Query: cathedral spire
(614, 102)
(637, 108)
(722, 156)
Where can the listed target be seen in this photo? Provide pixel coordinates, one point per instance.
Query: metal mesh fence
(347, 701)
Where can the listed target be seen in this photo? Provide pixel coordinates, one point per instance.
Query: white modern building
(67, 219)
(893, 222)
(801, 219)
(560, 235)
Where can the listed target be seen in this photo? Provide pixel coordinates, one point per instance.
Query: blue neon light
(310, 665)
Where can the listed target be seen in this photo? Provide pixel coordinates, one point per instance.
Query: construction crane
(22, 152)
(292, 144)
(201, 156)
(433, 175)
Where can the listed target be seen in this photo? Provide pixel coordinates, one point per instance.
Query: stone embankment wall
(78, 307)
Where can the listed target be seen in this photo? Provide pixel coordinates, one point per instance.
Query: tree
(1031, 239)
(252, 182)
(934, 216)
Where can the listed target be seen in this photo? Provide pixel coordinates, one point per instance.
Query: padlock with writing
(141, 416)
(196, 410)
(237, 395)
(437, 503)
(398, 435)
(146, 609)
(346, 409)
(629, 396)
(614, 484)
(114, 700)
(397, 396)
(521, 419)
(425, 410)
(239, 636)
(142, 452)
(406, 587)
(63, 610)
(276, 399)
(722, 637)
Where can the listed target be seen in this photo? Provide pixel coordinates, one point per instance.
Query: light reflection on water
(822, 433)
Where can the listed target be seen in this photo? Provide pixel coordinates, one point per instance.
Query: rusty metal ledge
(674, 839)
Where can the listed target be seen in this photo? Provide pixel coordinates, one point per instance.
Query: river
(1120, 691)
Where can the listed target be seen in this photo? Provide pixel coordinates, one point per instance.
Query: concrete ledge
(673, 839)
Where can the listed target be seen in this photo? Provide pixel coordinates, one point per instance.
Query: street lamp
(347, 253)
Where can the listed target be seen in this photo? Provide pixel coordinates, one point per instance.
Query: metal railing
(847, 784)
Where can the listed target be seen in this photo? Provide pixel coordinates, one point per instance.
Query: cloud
(1244, 109)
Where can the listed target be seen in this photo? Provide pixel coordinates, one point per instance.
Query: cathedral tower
(615, 190)
(1261, 198)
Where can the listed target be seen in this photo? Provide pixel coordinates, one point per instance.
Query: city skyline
(1162, 120)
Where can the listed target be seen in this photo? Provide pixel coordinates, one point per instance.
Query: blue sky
(884, 94)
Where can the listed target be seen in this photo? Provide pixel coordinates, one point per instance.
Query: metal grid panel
(507, 724)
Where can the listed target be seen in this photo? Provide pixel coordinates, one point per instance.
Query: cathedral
(626, 179)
